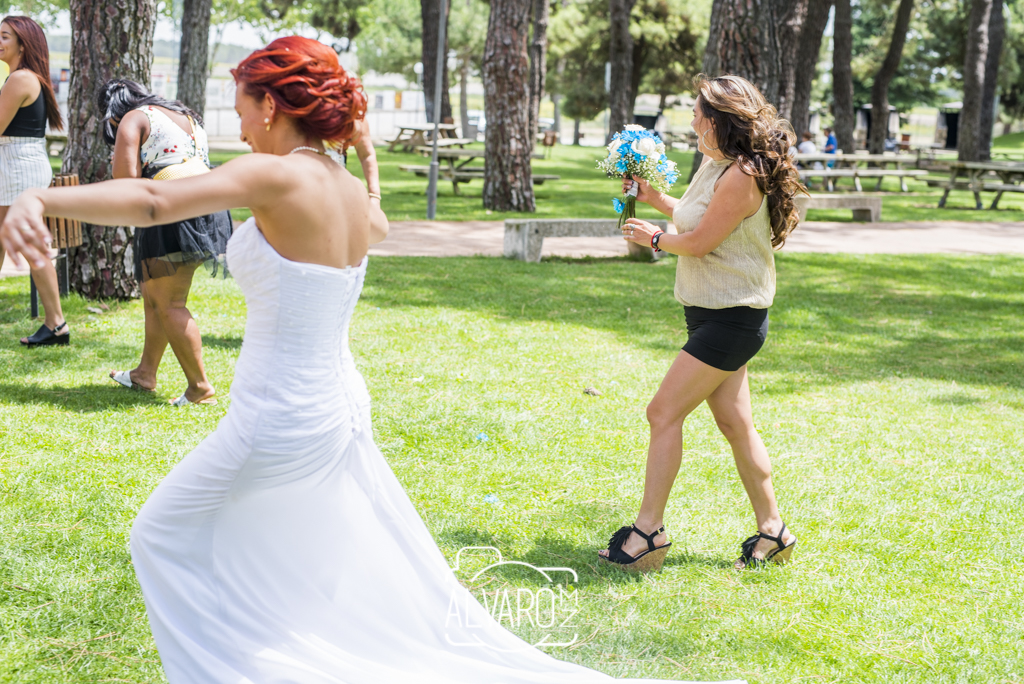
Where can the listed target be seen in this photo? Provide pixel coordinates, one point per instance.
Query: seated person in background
(831, 145)
(808, 147)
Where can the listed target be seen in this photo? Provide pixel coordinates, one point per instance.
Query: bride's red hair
(308, 84)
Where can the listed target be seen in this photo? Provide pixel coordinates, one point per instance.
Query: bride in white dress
(283, 549)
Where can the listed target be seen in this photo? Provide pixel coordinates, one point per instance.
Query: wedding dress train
(283, 549)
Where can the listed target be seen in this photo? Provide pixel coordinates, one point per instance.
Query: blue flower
(621, 166)
(618, 205)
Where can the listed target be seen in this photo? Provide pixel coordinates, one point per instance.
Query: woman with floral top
(162, 140)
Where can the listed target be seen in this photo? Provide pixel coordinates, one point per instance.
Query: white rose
(634, 127)
(644, 146)
(613, 146)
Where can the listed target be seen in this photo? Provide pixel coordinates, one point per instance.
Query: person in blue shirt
(831, 145)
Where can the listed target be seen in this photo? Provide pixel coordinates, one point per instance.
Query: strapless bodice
(295, 363)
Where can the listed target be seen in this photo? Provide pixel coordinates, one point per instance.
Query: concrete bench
(864, 207)
(524, 238)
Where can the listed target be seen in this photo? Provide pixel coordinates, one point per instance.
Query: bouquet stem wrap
(628, 204)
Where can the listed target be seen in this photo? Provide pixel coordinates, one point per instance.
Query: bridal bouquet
(637, 152)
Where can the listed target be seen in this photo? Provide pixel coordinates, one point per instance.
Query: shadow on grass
(836, 318)
(217, 342)
(956, 400)
(81, 399)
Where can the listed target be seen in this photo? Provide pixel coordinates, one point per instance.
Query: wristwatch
(655, 240)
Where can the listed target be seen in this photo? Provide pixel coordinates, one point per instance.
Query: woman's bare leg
(730, 404)
(154, 346)
(45, 279)
(687, 384)
(169, 296)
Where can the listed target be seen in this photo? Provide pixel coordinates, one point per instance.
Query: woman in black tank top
(29, 121)
(27, 104)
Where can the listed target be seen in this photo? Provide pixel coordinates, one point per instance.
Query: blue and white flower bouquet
(637, 152)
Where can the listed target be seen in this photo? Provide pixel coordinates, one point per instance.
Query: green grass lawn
(890, 395)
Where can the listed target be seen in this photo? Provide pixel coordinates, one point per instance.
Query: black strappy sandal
(45, 337)
(650, 560)
(780, 554)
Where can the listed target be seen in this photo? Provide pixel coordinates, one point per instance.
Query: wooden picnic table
(855, 160)
(1010, 176)
(456, 165)
(852, 166)
(411, 136)
(59, 139)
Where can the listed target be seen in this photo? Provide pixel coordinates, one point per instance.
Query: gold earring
(267, 121)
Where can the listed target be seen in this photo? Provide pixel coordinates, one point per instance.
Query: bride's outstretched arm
(243, 182)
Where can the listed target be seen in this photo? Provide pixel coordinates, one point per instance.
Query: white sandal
(124, 378)
(183, 401)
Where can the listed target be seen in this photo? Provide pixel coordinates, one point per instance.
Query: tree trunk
(538, 63)
(790, 40)
(640, 49)
(431, 14)
(576, 132)
(195, 43)
(508, 180)
(464, 96)
(969, 140)
(806, 67)
(109, 39)
(217, 40)
(743, 39)
(556, 100)
(996, 33)
(620, 54)
(842, 75)
(880, 88)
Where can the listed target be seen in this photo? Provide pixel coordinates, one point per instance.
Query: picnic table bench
(411, 136)
(998, 177)
(454, 166)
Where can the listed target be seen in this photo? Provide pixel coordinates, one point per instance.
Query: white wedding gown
(283, 549)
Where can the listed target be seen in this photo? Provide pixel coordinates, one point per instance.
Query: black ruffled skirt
(161, 250)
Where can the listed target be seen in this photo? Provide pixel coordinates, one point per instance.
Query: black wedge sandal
(650, 560)
(780, 554)
(45, 337)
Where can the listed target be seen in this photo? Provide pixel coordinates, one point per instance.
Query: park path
(467, 238)
(444, 238)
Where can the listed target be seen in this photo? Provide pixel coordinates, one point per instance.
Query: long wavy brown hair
(748, 130)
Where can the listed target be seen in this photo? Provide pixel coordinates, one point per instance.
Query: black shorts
(725, 338)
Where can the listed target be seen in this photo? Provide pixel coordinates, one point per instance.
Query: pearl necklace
(307, 147)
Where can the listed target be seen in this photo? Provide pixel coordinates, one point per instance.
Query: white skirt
(24, 164)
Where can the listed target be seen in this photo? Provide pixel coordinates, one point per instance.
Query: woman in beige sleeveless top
(737, 209)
